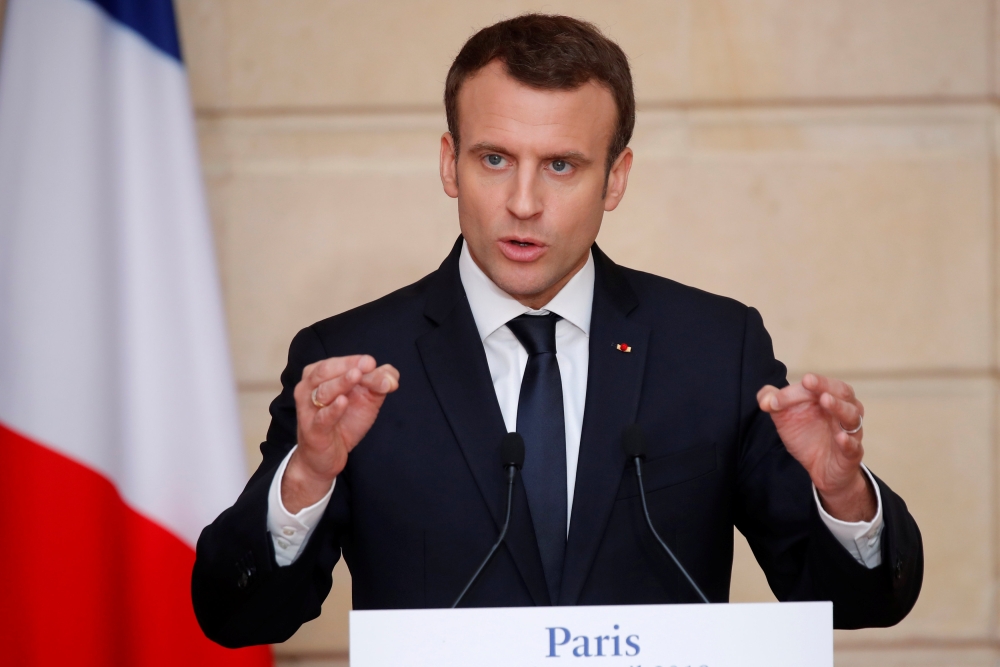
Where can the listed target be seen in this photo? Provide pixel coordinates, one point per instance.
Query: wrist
(852, 502)
(301, 486)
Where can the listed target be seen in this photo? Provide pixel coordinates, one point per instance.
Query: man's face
(530, 179)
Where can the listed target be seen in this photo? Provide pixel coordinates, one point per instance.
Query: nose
(525, 201)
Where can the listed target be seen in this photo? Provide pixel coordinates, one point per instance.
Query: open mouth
(521, 249)
(521, 242)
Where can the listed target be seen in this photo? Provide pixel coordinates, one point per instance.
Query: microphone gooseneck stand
(512, 453)
(635, 447)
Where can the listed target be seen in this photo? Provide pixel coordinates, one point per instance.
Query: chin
(520, 286)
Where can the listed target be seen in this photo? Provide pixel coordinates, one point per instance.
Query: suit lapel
(456, 365)
(614, 382)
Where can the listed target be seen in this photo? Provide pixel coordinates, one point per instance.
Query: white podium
(716, 635)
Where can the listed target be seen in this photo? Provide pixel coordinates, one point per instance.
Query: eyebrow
(486, 147)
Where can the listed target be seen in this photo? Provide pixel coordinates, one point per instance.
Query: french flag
(119, 435)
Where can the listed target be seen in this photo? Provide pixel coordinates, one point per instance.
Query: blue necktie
(541, 423)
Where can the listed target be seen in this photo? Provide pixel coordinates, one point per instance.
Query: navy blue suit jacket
(421, 499)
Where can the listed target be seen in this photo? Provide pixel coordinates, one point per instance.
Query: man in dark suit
(528, 326)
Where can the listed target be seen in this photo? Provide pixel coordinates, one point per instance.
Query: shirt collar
(492, 308)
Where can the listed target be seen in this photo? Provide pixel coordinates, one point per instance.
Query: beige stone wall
(831, 162)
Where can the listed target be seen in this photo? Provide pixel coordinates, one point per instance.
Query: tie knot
(537, 333)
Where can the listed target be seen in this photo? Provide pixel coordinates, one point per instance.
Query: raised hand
(816, 419)
(336, 402)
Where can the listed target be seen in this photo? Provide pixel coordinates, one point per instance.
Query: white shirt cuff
(290, 532)
(862, 539)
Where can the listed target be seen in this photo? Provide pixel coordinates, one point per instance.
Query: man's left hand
(812, 418)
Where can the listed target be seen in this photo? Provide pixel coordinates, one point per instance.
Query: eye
(560, 166)
(494, 160)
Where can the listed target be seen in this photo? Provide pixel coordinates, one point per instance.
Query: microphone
(512, 455)
(634, 444)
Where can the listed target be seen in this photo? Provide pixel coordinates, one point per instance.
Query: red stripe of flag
(87, 581)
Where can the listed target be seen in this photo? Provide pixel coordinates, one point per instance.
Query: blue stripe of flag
(153, 19)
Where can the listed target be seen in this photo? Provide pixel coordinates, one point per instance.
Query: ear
(618, 180)
(449, 165)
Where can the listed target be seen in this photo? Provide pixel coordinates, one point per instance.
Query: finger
(765, 392)
(820, 383)
(772, 399)
(850, 446)
(328, 416)
(847, 413)
(326, 392)
(382, 380)
(321, 371)
(767, 398)
(366, 363)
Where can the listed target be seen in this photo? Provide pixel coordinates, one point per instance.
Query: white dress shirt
(492, 308)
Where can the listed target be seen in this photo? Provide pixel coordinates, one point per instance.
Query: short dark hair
(550, 52)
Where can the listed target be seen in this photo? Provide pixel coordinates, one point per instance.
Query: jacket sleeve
(241, 597)
(776, 512)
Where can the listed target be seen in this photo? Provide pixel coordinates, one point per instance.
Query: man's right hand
(351, 391)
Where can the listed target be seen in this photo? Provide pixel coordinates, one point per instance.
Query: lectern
(798, 634)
